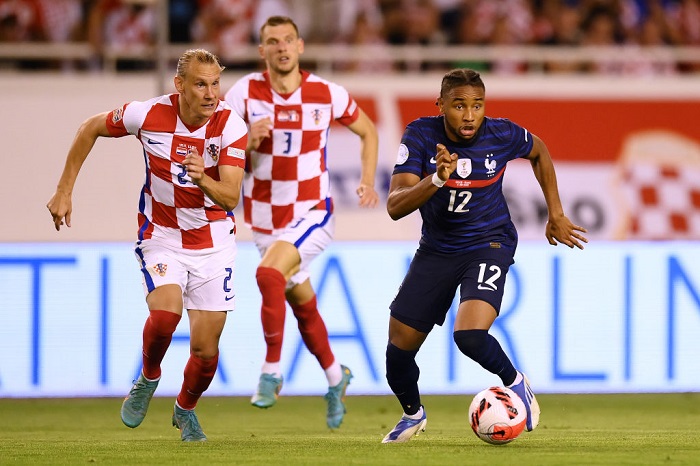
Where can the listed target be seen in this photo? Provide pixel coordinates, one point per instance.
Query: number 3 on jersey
(288, 142)
(463, 196)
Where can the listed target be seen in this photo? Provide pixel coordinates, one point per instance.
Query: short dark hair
(458, 78)
(277, 21)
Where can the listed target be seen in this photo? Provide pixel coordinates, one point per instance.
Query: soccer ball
(497, 415)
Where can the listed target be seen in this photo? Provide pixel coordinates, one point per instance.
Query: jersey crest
(464, 167)
(160, 269)
(490, 165)
(213, 151)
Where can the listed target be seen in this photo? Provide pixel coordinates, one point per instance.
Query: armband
(437, 181)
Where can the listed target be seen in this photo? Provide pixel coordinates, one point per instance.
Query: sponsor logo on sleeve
(234, 152)
(117, 115)
(402, 155)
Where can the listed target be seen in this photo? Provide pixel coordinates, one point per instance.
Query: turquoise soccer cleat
(186, 420)
(136, 403)
(336, 400)
(267, 392)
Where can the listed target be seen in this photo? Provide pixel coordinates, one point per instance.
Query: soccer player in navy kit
(450, 167)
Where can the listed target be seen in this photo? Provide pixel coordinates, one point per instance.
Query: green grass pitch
(640, 429)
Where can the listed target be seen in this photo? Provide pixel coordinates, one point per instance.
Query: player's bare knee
(204, 352)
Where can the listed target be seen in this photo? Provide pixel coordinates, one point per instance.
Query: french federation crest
(213, 151)
(464, 167)
(490, 165)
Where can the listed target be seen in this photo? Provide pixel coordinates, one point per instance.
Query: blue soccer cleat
(186, 420)
(336, 400)
(267, 392)
(135, 404)
(406, 428)
(531, 406)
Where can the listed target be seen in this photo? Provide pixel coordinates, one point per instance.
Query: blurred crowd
(226, 25)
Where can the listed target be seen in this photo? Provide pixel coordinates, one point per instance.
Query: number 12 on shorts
(488, 283)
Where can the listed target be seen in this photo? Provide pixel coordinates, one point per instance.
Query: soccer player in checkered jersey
(194, 148)
(287, 201)
(450, 167)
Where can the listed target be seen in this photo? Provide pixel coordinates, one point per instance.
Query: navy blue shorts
(427, 291)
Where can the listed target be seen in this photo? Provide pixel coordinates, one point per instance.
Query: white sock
(518, 379)
(272, 368)
(418, 415)
(149, 380)
(334, 374)
(178, 405)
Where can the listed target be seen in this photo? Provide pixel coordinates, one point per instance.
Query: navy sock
(402, 375)
(483, 348)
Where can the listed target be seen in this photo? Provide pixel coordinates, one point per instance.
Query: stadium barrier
(617, 317)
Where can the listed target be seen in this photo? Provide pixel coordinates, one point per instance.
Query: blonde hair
(201, 56)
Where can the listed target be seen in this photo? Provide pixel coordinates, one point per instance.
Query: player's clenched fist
(445, 163)
(194, 164)
(258, 131)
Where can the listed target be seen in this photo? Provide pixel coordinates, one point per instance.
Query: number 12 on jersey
(461, 198)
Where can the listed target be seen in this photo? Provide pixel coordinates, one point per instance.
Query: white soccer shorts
(204, 275)
(311, 235)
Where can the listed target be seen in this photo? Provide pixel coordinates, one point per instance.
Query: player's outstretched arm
(407, 192)
(61, 205)
(559, 228)
(365, 128)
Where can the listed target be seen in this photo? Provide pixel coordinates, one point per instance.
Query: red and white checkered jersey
(287, 176)
(172, 208)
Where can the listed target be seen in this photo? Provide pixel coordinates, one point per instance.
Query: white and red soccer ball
(497, 415)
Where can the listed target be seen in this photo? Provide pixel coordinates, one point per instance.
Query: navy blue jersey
(469, 211)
